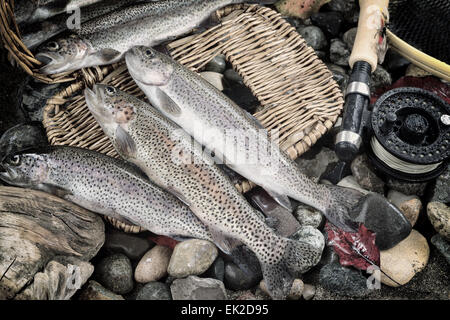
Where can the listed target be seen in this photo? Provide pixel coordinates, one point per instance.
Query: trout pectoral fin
(281, 199)
(221, 241)
(124, 142)
(108, 55)
(55, 190)
(167, 104)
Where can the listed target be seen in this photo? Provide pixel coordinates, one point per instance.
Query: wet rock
(247, 263)
(115, 273)
(154, 291)
(347, 7)
(294, 294)
(364, 175)
(349, 37)
(35, 96)
(314, 37)
(153, 265)
(315, 165)
(214, 78)
(242, 96)
(330, 22)
(216, 271)
(299, 8)
(192, 257)
(380, 78)
(312, 236)
(343, 281)
(442, 245)
(217, 64)
(131, 245)
(195, 288)
(408, 188)
(237, 279)
(394, 61)
(382, 217)
(233, 76)
(322, 55)
(439, 215)
(339, 75)
(339, 52)
(415, 71)
(404, 260)
(308, 216)
(309, 291)
(410, 206)
(95, 291)
(441, 190)
(21, 137)
(350, 182)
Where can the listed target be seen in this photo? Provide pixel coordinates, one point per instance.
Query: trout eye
(149, 53)
(14, 160)
(53, 46)
(110, 90)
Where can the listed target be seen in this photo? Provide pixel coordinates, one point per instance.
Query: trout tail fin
(297, 257)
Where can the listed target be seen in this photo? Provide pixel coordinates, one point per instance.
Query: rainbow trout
(212, 118)
(171, 159)
(98, 44)
(104, 185)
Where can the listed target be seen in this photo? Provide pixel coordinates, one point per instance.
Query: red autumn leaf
(163, 241)
(354, 248)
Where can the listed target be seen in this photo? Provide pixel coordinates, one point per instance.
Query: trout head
(115, 111)
(148, 66)
(24, 169)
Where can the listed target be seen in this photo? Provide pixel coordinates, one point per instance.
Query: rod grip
(371, 21)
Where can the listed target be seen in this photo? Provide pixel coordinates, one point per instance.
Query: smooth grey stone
(233, 76)
(246, 261)
(348, 8)
(343, 281)
(314, 37)
(133, 246)
(380, 78)
(195, 288)
(154, 291)
(115, 273)
(217, 64)
(394, 61)
(216, 271)
(349, 37)
(236, 279)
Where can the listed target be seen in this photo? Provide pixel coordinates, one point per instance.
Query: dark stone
(22, 137)
(133, 246)
(339, 75)
(233, 76)
(246, 261)
(382, 217)
(348, 8)
(336, 171)
(365, 176)
(217, 64)
(442, 245)
(380, 78)
(329, 22)
(343, 281)
(314, 37)
(115, 273)
(35, 97)
(394, 61)
(154, 291)
(349, 37)
(339, 52)
(216, 271)
(329, 256)
(236, 279)
(242, 96)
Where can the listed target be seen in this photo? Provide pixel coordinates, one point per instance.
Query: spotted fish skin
(158, 146)
(104, 185)
(201, 107)
(148, 24)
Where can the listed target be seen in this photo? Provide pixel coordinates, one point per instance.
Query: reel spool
(411, 134)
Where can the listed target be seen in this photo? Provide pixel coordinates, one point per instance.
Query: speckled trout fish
(155, 23)
(104, 185)
(198, 107)
(171, 159)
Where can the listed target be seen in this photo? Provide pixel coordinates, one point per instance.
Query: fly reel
(410, 134)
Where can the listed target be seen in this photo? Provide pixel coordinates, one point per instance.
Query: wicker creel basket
(296, 90)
